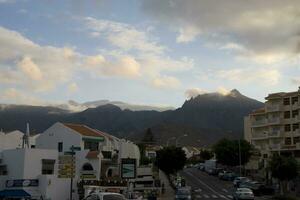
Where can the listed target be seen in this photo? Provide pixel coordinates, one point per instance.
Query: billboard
(128, 168)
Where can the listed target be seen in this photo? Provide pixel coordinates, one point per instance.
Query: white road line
(214, 196)
(206, 196)
(222, 196)
(225, 190)
(230, 196)
(210, 188)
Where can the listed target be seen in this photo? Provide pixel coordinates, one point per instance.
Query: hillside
(205, 118)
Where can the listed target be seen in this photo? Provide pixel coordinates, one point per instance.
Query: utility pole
(72, 172)
(240, 157)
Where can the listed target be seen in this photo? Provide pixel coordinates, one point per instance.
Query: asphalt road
(207, 187)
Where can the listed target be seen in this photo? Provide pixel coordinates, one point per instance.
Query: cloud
(265, 29)
(223, 91)
(30, 69)
(295, 81)
(194, 92)
(187, 34)
(73, 87)
(122, 35)
(166, 82)
(267, 77)
(14, 96)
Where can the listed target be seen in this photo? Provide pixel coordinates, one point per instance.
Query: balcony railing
(259, 122)
(275, 146)
(274, 134)
(272, 108)
(276, 120)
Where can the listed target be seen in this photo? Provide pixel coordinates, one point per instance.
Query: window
(287, 127)
(107, 154)
(295, 127)
(286, 101)
(113, 197)
(60, 147)
(296, 140)
(3, 170)
(295, 113)
(87, 167)
(92, 197)
(91, 145)
(287, 114)
(48, 166)
(294, 100)
(288, 141)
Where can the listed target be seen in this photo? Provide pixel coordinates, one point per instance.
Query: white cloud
(188, 34)
(223, 91)
(194, 92)
(122, 35)
(14, 96)
(30, 69)
(267, 77)
(166, 82)
(73, 87)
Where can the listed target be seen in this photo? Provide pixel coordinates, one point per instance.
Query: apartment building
(275, 128)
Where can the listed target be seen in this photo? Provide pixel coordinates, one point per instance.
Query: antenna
(25, 143)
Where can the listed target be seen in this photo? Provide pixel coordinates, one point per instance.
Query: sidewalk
(169, 192)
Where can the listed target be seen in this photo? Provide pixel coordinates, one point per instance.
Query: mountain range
(205, 119)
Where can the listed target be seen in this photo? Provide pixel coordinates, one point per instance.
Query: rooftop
(84, 130)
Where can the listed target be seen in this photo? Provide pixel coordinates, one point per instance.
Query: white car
(105, 196)
(243, 194)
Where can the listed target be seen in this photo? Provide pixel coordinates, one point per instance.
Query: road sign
(66, 166)
(128, 168)
(75, 148)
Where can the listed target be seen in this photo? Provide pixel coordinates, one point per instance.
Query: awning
(14, 193)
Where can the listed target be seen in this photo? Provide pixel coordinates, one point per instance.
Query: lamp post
(180, 138)
(172, 138)
(240, 157)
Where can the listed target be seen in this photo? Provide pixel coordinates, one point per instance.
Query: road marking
(225, 190)
(210, 188)
(206, 196)
(222, 196)
(214, 196)
(198, 190)
(230, 196)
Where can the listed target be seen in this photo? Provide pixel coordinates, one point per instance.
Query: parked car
(105, 196)
(243, 194)
(221, 174)
(238, 180)
(258, 188)
(229, 176)
(215, 171)
(183, 193)
(201, 166)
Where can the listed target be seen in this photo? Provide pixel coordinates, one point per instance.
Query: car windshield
(113, 197)
(244, 190)
(183, 192)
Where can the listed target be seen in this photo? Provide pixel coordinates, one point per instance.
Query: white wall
(59, 133)
(129, 150)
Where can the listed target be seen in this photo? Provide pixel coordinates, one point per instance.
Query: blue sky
(146, 52)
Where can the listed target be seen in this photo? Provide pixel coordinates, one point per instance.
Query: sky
(155, 52)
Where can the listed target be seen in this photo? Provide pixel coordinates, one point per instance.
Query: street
(205, 186)
(208, 187)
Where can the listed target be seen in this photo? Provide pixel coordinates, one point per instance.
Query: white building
(31, 173)
(13, 140)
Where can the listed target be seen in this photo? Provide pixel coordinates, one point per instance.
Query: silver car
(243, 194)
(105, 196)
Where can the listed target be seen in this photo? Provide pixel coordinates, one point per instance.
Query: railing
(274, 120)
(275, 146)
(274, 134)
(271, 108)
(259, 122)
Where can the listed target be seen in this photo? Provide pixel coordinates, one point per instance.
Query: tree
(148, 137)
(206, 155)
(227, 152)
(170, 159)
(284, 169)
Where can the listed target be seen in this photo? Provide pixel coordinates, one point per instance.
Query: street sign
(66, 166)
(75, 148)
(128, 168)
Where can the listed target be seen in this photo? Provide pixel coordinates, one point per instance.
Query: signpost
(67, 166)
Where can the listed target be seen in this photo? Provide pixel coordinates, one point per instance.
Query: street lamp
(172, 138)
(180, 138)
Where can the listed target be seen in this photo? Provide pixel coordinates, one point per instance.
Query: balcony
(273, 108)
(275, 147)
(296, 105)
(274, 134)
(260, 136)
(276, 120)
(261, 122)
